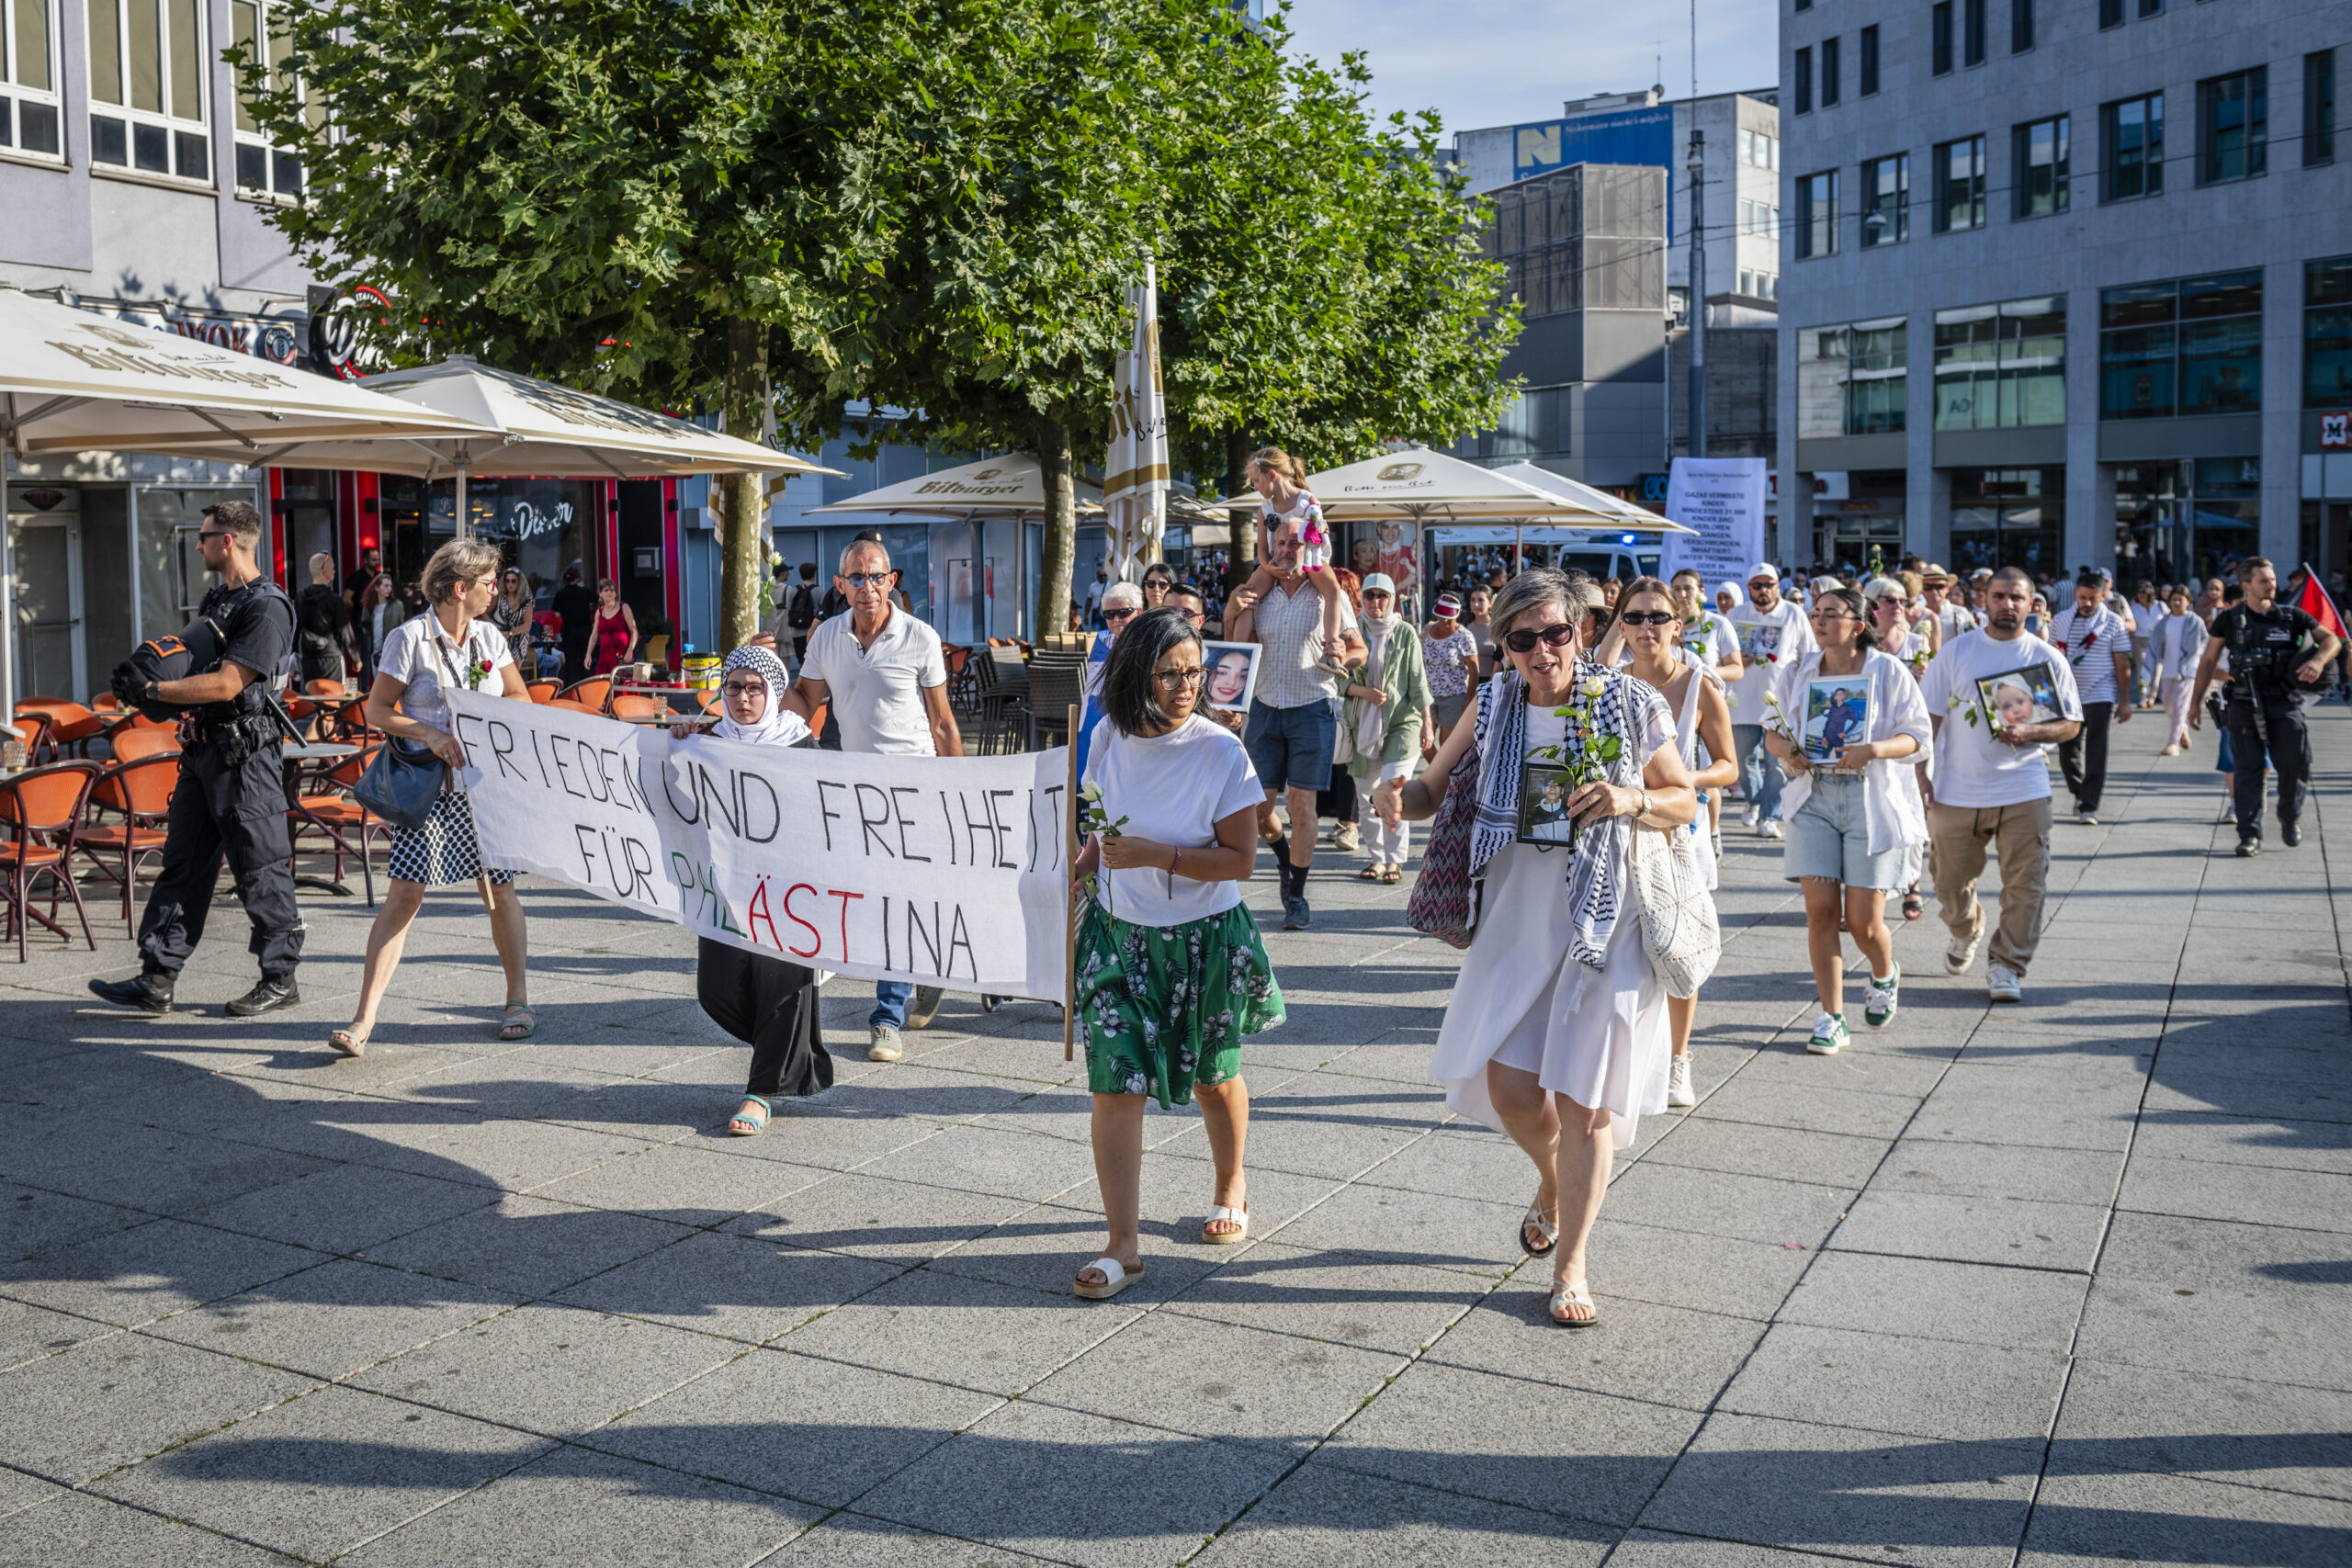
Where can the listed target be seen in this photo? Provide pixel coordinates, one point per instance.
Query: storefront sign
(1723, 498)
(2335, 429)
(942, 870)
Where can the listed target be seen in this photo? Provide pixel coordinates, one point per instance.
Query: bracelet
(1178, 861)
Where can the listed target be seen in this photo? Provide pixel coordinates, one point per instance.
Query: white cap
(1765, 569)
(1379, 582)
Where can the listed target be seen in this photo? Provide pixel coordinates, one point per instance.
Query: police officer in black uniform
(231, 799)
(2274, 650)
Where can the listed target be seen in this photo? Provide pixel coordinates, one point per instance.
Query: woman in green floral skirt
(1170, 971)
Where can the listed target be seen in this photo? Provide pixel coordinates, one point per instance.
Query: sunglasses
(1557, 634)
(215, 533)
(1647, 618)
(866, 579)
(1118, 612)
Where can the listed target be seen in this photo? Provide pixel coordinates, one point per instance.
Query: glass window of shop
(2001, 366)
(1851, 377)
(2193, 347)
(2327, 332)
(540, 525)
(1862, 533)
(2186, 520)
(2008, 517)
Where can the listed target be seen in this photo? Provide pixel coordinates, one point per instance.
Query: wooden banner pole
(1069, 924)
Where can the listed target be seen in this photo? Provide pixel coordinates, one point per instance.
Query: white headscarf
(778, 726)
(1738, 595)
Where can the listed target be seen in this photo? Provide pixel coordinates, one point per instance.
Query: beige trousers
(1957, 836)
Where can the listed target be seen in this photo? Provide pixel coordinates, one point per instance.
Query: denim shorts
(1830, 836)
(1291, 748)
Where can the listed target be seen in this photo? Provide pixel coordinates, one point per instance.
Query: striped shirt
(1288, 626)
(2091, 643)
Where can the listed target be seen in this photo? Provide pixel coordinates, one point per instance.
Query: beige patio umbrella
(1010, 486)
(1613, 513)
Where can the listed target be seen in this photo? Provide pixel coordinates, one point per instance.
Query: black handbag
(401, 785)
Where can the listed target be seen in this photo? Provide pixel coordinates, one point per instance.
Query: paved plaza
(2062, 1282)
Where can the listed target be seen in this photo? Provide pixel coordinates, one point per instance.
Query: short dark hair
(2016, 572)
(1189, 590)
(808, 572)
(2090, 580)
(1130, 694)
(239, 517)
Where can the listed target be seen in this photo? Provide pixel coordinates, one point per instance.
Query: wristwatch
(1644, 809)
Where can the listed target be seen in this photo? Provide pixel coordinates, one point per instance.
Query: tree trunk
(744, 515)
(1242, 520)
(1061, 529)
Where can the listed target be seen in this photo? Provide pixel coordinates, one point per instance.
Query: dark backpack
(800, 613)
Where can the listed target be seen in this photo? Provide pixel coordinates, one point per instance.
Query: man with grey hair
(886, 678)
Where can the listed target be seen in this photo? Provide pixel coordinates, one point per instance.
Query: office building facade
(2066, 285)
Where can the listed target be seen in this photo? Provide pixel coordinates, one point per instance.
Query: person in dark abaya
(768, 1003)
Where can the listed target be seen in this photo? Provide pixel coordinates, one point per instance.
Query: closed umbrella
(1136, 481)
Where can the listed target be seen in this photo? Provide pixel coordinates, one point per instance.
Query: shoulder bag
(405, 779)
(1678, 926)
(1444, 902)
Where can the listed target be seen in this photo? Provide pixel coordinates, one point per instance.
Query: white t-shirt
(2091, 643)
(1784, 633)
(1971, 768)
(1173, 789)
(1955, 619)
(417, 652)
(1709, 638)
(876, 693)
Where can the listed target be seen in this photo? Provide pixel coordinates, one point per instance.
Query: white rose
(1594, 686)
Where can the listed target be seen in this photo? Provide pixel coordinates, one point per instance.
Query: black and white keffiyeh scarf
(1620, 707)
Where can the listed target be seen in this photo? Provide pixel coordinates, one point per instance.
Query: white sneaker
(1879, 1002)
(1961, 956)
(882, 1044)
(1828, 1035)
(1753, 815)
(1769, 831)
(1679, 1095)
(2002, 984)
(2088, 818)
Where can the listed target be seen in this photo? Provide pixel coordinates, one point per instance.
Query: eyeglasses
(866, 579)
(1118, 612)
(1557, 634)
(745, 688)
(1647, 618)
(1173, 679)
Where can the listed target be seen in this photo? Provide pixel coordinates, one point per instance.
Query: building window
(2040, 163)
(260, 165)
(1972, 32)
(1817, 215)
(1886, 200)
(2189, 347)
(1805, 5)
(1759, 284)
(2152, 7)
(1802, 82)
(2327, 333)
(1832, 69)
(2008, 517)
(147, 86)
(1759, 149)
(1939, 37)
(1850, 378)
(1868, 63)
(2020, 25)
(1960, 184)
(2110, 13)
(2001, 366)
(2132, 134)
(2319, 108)
(2232, 125)
(1759, 218)
(28, 102)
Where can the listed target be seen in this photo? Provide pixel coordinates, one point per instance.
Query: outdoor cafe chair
(542, 690)
(139, 791)
(70, 724)
(42, 810)
(33, 728)
(337, 812)
(590, 694)
(138, 744)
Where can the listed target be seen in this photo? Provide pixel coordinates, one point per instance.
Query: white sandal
(1226, 1239)
(1116, 1277)
(1577, 1294)
(1548, 1229)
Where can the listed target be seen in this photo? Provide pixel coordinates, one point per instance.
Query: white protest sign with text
(944, 870)
(1723, 498)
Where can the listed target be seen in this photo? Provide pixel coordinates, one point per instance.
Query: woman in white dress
(1651, 620)
(1557, 1033)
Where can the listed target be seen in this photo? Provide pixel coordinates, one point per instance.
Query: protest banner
(1723, 499)
(943, 871)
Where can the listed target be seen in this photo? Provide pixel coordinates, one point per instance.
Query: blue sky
(1502, 61)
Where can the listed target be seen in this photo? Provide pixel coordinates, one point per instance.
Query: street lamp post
(1697, 401)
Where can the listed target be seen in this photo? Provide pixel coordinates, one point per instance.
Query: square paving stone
(1509, 1441)
(1456, 1162)
(1034, 1479)
(1655, 1549)
(1889, 1382)
(527, 1246)
(348, 1208)
(2242, 1140)
(867, 1216)
(1872, 1063)
(852, 1540)
(909, 1091)
(1810, 1108)
(2307, 1200)
(135, 1276)
(798, 1427)
(734, 1286)
(317, 1475)
(1853, 1493)
(1177, 1191)
(557, 1370)
(994, 1338)
(30, 1333)
(2280, 1437)
(1996, 1171)
(2010, 1232)
(2025, 1308)
(2018, 1105)
(1749, 1149)
(77, 1527)
(1638, 1350)
(1717, 1202)
(575, 1508)
(19, 1490)
(495, 1152)
(34, 1221)
(1348, 1298)
(1215, 1380)
(2174, 1093)
(2160, 1248)
(117, 1399)
(813, 1131)
(1702, 1273)
(2171, 1518)
(1321, 1514)
(2217, 1326)
(1043, 1248)
(1416, 1227)
(982, 1159)
(683, 1183)
(332, 1320)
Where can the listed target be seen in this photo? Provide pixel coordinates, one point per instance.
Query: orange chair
(570, 707)
(543, 690)
(42, 810)
(138, 744)
(70, 724)
(628, 705)
(140, 791)
(340, 813)
(590, 694)
(33, 728)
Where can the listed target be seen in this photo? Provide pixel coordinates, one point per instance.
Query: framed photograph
(2027, 695)
(1759, 641)
(1544, 820)
(1836, 715)
(1232, 674)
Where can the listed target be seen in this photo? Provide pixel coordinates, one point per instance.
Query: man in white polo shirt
(1990, 784)
(888, 680)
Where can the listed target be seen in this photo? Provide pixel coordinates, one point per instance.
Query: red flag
(2313, 602)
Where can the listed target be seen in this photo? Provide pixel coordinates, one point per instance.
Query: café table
(294, 756)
